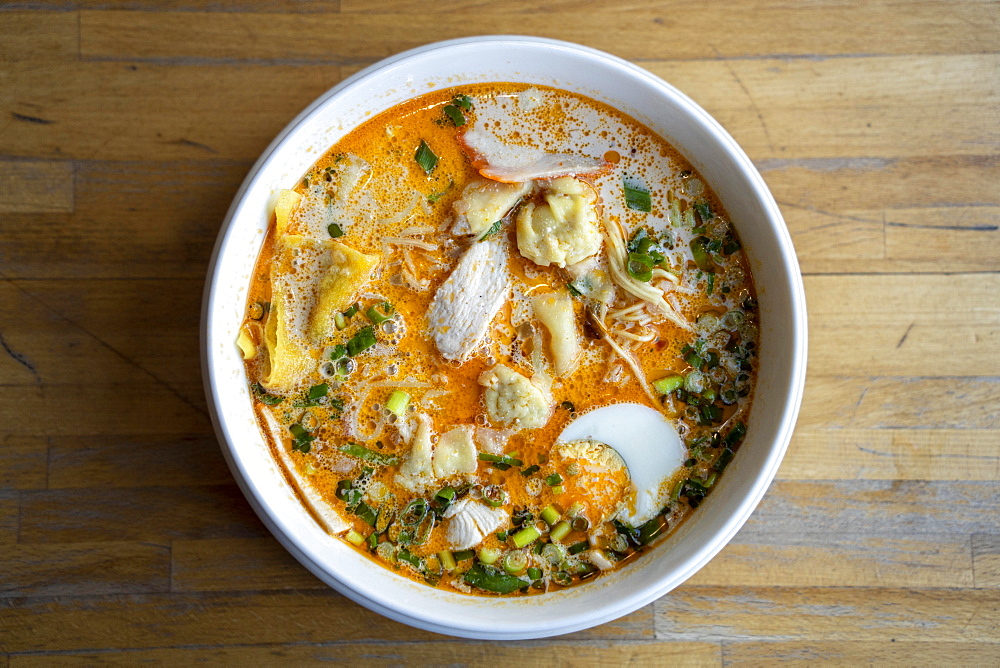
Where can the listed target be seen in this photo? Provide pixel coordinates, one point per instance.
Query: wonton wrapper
(349, 270)
(287, 359)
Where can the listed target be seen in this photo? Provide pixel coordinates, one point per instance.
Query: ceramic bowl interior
(722, 163)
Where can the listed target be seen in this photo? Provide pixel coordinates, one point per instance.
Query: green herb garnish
(425, 157)
(362, 341)
(637, 197)
(369, 455)
(334, 230)
(264, 397)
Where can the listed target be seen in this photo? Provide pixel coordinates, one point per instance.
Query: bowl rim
(795, 382)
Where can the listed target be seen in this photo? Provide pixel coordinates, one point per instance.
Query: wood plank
(267, 6)
(864, 107)
(182, 620)
(642, 33)
(145, 219)
(881, 402)
(118, 331)
(887, 107)
(10, 511)
(892, 454)
(887, 508)
(103, 409)
(115, 111)
(38, 36)
(943, 325)
(136, 461)
(34, 187)
(23, 462)
(778, 558)
(73, 569)
(136, 514)
(237, 564)
(452, 652)
(986, 559)
(854, 653)
(828, 614)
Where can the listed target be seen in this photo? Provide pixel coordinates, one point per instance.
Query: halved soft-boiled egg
(643, 440)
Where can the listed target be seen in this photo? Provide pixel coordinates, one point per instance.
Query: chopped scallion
(560, 530)
(668, 384)
(526, 536)
(637, 197)
(362, 341)
(373, 456)
(335, 230)
(455, 114)
(398, 402)
(425, 157)
(550, 515)
(492, 579)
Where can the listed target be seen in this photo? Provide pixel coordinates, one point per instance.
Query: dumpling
(564, 230)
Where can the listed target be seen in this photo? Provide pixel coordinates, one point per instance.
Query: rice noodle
(407, 211)
(400, 241)
(415, 230)
(643, 338)
(626, 356)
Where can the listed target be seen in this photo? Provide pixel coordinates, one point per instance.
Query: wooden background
(125, 130)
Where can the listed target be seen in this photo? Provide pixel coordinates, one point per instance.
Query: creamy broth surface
(432, 436)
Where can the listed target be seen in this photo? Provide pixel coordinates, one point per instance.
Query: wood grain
(126, 129)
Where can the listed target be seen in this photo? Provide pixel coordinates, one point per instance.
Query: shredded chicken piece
(626, 355)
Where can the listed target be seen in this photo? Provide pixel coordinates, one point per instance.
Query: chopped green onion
(703, 210)
(495, 496)
(577, 548)
(398, 402)
(378, 318)
(550, 514)
(668, 384)
(447, 560)
(526, 536)
(354, 538)
(534, 468)
(463, 101)
(494, 228)
(373, 456)
(515, 562)
(455, 114)
(700, 252)
(462, 555)
(735, 435)
(650, 530)
(502, 462)
(318, 391)
(573, 290)
(502, 536)
(553, 480)
(352, 310)
(434, 197)
(362, 341)
(534, 573)
(339, 351)
(334, 230)
(365, 512)
(372, 541)
(560, 530)
(488, 555)
(301, 439)
(640, 267)
(492, 579)
(637, 197)
(425, 157)
(264, 397)
(340, 321)
(558, 489)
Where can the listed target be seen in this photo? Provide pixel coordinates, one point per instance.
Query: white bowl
(723, 165)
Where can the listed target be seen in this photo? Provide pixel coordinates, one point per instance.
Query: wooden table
(124, 134)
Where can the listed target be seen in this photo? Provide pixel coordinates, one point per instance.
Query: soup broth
(446, 307)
